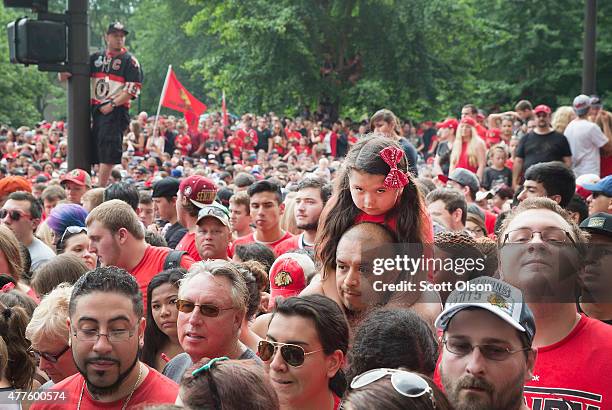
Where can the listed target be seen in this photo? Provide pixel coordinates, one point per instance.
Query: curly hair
(393, 338)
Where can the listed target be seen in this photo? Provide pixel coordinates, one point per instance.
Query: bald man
(352, 283)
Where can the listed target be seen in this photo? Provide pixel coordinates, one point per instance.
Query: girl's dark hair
(21, 366)
(154, 338)
(64, 268)
(330, 323)
(227, 384)
(256, 278)
(382, 395)
(256, 252)
(340, 211)
(16, 298)
(393, 338)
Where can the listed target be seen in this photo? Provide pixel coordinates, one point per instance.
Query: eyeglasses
(52, 358)
(552, 235)
(113, 336)
(491, 352)
(293, 355)
(14, 214)
(72, 230)
(405, 383)
(206, 309)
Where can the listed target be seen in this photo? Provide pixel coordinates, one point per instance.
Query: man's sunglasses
(51, 358)
(14, 214)
(405, 383)
(293, 355)
(207, 310)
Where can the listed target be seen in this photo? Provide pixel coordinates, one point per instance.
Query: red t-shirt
(249, 139)
(188, 245)
(575, 369)
(183, 142)
(243, 240)
(156, 389)
(151, 264)
(464, 159)
(295, 242)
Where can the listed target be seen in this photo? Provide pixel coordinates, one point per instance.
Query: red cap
(78, 176)
(493, 135)
(469, 121)
(288, 275)
(542, 108)
(583, 192)
(200, 190)
(449, 123)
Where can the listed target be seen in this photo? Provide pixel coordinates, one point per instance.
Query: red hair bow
(7, 287)
(395, 178)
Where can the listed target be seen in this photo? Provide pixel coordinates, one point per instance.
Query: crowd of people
(256, 264)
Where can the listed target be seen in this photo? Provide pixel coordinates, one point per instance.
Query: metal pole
(589, 56)
(79, 141)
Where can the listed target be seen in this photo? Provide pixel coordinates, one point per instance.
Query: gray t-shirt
(176, 368)
(39, 253)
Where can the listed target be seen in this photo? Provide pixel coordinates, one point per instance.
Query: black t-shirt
(443, 151)
(174, 234)
(262, 139)
(493, 178)
(535, 148)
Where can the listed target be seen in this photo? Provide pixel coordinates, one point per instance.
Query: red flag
(224, 111)
(178, 98)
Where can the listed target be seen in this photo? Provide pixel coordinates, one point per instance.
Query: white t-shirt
(585, 138)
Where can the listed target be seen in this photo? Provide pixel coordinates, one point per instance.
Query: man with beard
(312, 195)
(543, 144)
(501, 325)
(106, 331)
(542, 252)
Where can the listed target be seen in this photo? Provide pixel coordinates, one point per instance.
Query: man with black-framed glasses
(487, 355)
(106, 330)
(542, 253)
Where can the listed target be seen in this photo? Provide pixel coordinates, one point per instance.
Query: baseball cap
(217, 211)
(167, 187)
(542, 108)
(581, 104)
(78, 176)
(449, 123)
(604, 186)
(601, 222)
(463, 177)
(11, 184)
(200, 190)
(493, 136)
(288, 275)
(116, 26)
(501, 299)
(596, 101)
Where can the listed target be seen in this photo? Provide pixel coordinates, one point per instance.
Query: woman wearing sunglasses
(48, 332)
(161, 337)
(394, 389)
(304, 350)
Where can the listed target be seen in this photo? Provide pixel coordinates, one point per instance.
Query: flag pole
(161, 99)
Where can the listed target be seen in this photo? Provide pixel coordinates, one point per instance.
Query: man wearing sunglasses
(21, 213)
(486, 355)
(600, 199)
(304, 350)
(542, 252)
(211, 302)
(106, 327)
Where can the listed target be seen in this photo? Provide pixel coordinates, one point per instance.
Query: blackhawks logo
(498, 301)
(283, 278)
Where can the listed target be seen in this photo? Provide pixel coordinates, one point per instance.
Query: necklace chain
(129, 397)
